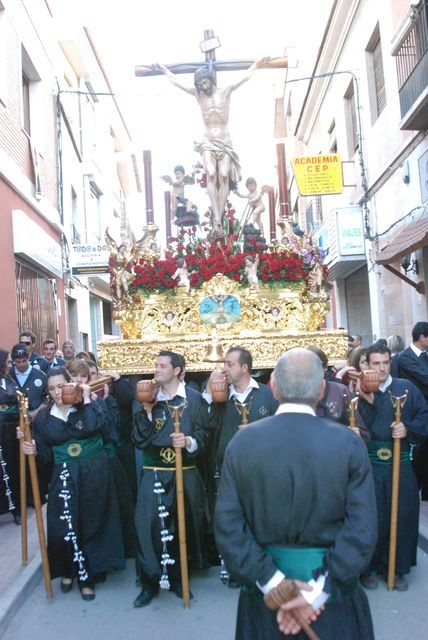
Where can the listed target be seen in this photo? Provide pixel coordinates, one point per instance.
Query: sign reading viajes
(89, 259)
(318, 175)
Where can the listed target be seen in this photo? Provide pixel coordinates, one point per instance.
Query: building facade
(67, 171)
(367, 100)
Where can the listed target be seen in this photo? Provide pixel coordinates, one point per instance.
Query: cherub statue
(250, 270)
(122, 260)
(182, 275)
(177, 192)
(255, 202)
(315, 279)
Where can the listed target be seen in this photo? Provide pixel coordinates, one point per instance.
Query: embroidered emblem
(384, 453)
(159, 422)
(74, 449)
(37, 383)
(263, 411)
(167, 455)
(79, 425)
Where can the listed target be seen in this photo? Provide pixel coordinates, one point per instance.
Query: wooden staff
(181, 513)
(23, 407)
(353, 404)
(23, 484)
(398, 403)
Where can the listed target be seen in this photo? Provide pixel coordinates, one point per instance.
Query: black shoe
(178, 590)
(233, 584)
(17, 518)
(400, 583)
(146, 595)
(87, 591)
(369, 581)
(66, 587)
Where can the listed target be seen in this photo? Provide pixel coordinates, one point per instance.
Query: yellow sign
(318, 175)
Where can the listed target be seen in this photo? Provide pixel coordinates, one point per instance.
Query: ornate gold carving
(271, 321)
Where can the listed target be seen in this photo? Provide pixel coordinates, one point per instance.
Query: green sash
(380, 452)
(77, 449)
(297, 563)
(8, 408)
(163, 458)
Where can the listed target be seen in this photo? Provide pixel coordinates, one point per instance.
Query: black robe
(93, 501)
(300, 481)
(9, 470)
(154, 435)
(378, 419)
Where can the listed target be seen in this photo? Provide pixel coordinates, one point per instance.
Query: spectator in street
(413, 365)
(9, 447)
(335, 401)
(68, 350)
(378, 413)
(395, 344)
(29, 379)
(49, 353)
(28, 339)
(354, 341)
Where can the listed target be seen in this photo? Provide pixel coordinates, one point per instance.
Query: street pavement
(26, 612)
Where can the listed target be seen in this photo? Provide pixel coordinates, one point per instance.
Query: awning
(407, 239)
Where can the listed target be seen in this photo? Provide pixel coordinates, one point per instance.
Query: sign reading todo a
(318, 175)
(88, 259)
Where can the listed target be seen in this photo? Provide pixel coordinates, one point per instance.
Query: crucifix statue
(220, 161)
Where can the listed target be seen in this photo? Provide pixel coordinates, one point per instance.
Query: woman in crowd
(9, 446)
(84, 533)
(83, 372)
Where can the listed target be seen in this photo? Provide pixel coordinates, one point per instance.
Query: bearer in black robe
(247, 401)
(156, 518)
(379, 416)
(296, 501)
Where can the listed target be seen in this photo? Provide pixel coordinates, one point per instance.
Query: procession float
(218, 282)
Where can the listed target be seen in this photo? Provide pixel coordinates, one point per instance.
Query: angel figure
(182, 275)
(255, 202)
(177, 192)
(315, 279)
(250, 270)
(122, 260)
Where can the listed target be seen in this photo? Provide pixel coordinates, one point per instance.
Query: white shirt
(181, 392)
(416, 350)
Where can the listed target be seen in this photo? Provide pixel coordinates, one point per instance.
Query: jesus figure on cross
(220, 161)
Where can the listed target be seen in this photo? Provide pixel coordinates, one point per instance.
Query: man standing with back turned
(297, 502)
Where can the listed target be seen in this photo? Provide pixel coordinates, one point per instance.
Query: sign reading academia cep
(318, 175)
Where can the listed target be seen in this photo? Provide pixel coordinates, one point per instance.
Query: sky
(167, 121)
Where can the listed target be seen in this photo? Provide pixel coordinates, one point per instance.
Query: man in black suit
(296, 502)
(413, 365)
(49, 350)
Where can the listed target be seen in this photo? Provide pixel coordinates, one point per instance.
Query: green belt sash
(298, 563)
(77, 449)
(380, 452)
(8, 408)
(110, 449)
(163, 458)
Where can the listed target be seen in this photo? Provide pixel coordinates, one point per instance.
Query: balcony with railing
(412, 70)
